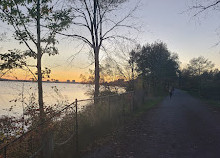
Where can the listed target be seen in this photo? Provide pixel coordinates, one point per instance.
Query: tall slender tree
(98, 21)
(28, 18)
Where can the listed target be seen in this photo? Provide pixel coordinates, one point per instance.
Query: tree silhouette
(28, 18)
(156, 64)
(197, 72)
(99, 21)
(198, 66)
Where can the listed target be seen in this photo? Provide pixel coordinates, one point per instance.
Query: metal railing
(72, 128)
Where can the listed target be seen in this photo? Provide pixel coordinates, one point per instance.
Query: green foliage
(60, 20)
(156, 60)
(22, 15)
(13, 59)
(155, 64)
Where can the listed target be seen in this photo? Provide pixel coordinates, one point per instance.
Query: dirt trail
(182, 127)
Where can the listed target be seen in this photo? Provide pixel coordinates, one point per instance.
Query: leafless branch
(72, 57)
(122, 37)
(114, 61)
(119, 23)
(31, 72)
(3, 73)
(202, 8)
(76, 36)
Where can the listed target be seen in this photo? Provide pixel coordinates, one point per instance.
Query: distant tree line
(200, 77)
(158, 69)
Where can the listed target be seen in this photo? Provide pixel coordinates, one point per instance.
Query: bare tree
(100, 20)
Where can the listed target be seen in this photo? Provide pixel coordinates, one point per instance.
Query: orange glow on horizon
(62, 76)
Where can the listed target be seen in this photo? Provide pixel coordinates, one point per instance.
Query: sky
(190, 37)
(161, 20)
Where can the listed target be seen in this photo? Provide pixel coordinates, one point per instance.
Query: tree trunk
(97, 77)
(44, 138)
(132, 75)
(96, 49)
(39, 73)
(40, 89)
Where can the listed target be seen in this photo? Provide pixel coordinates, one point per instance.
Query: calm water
(54, 93)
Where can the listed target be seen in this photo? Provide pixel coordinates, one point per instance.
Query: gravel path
(182, 127)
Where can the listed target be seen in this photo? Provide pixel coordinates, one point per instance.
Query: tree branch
(118, 36)
(77, 36)
(117, 24)
(91, 23)
(83, 15)
(28, 32)
(203, 8)
(31, 72)
(11, 19)
(3, 73)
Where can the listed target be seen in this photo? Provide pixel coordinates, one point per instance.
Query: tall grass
(95, 121)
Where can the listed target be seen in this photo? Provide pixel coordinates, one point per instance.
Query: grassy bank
(212, 102)
(148, 104)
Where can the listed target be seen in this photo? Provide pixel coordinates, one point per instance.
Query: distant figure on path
(171, 92)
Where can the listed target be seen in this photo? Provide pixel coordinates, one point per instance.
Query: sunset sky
(164, 20)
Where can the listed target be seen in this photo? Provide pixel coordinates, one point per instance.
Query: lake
(11, 94)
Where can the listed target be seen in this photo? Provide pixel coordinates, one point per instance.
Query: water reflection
(54, 93)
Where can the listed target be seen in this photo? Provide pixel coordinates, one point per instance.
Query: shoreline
(36, 81)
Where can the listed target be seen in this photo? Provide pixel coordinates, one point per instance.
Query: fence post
(123, 108)
(48, 145)
(77, 134)
(5, 152)
(130, 101)
(109, 108)
(51, 144)
(133, 94)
